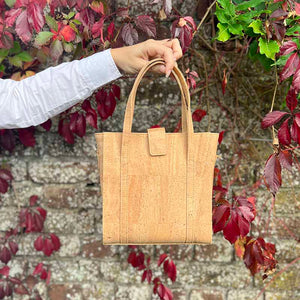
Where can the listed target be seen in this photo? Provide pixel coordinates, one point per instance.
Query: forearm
(35, 99)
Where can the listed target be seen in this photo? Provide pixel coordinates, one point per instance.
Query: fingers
(169, 50)
(175, 46)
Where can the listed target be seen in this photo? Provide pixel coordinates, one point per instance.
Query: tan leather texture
(157, 186)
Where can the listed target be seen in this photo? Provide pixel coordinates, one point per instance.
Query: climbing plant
(35, 34)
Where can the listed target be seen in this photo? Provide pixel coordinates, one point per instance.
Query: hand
(131, 59)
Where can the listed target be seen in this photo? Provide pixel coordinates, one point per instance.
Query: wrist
(117, 57)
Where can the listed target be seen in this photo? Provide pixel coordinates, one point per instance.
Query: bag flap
(157, 141)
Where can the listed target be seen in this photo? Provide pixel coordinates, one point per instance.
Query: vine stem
(276, 275)
(273, 101)
(207, 12)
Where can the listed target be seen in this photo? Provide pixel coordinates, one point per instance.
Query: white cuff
(99, 69)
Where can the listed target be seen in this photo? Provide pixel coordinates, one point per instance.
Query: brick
(102, 290)
(64, 291)
(71, 196)
(71, 221)
(94, 248)
(176, 252)
(276, 229)
(18, 168)
(83, 147)
(222, 275)
(179, 294)
(289, 280)
(20, 193)
(287, 250)
(133, 292)
(9, 218)
(207, 294)
(70, 246)
(282, 295)
(124, 251)
(220, 250)
(69, 270)
(120, 273)
(54, 171)
(287, 201)
(244, 295)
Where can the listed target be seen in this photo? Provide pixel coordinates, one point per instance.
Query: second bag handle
(187, 123)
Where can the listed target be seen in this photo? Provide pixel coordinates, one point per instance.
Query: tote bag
(157, 186)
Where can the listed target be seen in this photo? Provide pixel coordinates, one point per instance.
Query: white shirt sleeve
(35, 99)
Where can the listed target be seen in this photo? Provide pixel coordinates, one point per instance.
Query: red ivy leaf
(65, 132)
(291, 99)
(39, 243)
(7, 140)
(284, 135)
(129, 34)
(47, 125)
(23, 28)
(295, 132)
(198, 115)
(5, 271)
(146, 24)
(106, 104)
(55, 241)
(286, 159)
(68, 33)
(297, 8)
(288, 47)
(13, 247)
(116, 90)
(290, 67)
(296, 79)
(272, 118)
(38, 269)
(26, 136)
(162, 257)
(221, 135)
(97, 6)
(97, 29)
(272, 174)
(5, 255)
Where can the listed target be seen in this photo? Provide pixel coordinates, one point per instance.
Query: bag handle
(187, 123)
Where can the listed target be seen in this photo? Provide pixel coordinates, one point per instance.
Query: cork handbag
(157, 186)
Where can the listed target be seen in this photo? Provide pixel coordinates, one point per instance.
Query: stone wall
(67, 181)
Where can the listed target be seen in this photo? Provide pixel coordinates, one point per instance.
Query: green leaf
(16, 61)
(221, 15)
(56, 49)
(281, 61)
(236, 29)
(247, 4)
(25, 56)
(76, 22)
(247, 17)
(228, 6)
(10, 3)
(292, 30)
(3, 52)
(2, 68)
(68, 47)
(269, 48)
(43, 37)
(223, 33)
(51, 23)
(15, 49)
(257, 27)
(71, 15)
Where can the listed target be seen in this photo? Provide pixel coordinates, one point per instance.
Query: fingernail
(168, 73)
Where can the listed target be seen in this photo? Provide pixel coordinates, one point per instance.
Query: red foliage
(234, 219)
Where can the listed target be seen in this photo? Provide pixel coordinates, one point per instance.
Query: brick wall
(66, 179)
